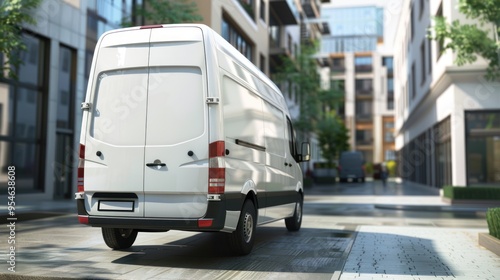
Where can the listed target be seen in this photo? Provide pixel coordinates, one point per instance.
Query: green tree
(471, 40)
(317, 106)
(13, 14)
(333, 136)
(166, 12)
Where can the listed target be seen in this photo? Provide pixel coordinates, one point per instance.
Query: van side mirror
(305, 152)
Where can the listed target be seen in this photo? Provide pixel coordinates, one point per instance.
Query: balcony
(311, 8)
(363, 68)
(364, 117)
(285, 11)
(364, 92)
(277, 51)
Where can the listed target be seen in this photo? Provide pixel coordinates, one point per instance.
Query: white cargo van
(180, 131)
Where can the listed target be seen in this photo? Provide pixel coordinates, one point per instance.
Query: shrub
(391, 167)
(493, 219)
(369, 168)
(477, 193)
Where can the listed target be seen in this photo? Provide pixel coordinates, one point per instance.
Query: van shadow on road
(275, 250)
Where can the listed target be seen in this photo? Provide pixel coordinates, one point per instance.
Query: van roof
(221, 44)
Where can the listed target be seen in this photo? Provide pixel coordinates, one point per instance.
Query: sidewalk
(412, 251)
(388, 252)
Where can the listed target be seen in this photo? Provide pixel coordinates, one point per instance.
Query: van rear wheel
(119, 238)
(294, 223)
(243, 237)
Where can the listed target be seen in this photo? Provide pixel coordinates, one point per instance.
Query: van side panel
(176, 125)
(116, 122)
(244, 131)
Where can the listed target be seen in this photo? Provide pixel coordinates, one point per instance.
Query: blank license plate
(115, 205)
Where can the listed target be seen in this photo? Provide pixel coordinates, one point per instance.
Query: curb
(432, 208)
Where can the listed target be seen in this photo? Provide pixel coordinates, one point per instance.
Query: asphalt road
(57, 246)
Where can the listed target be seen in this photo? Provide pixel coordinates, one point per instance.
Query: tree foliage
(471, 40)
(333, 136)
(13, 14)
(167, 12)
(301, 74)
(316, 104)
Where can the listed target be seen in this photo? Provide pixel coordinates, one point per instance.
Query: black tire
(243, 237)
(294, 223)
(118, 238)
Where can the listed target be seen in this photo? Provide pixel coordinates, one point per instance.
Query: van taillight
(216, 168)
(81, 163)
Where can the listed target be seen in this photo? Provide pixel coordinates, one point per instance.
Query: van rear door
(176, 150)
(115, 136)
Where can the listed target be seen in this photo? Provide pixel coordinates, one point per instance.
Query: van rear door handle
(156, 163)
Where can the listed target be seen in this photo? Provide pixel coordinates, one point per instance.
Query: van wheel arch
(242, 239)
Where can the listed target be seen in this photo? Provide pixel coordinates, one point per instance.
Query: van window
(119, 107)
(291, 139)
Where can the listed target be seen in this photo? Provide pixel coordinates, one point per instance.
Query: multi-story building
(39, 114)
(362, 67)
(447, 116)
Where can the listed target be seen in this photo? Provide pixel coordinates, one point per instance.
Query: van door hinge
(85, 106)
(212, 100)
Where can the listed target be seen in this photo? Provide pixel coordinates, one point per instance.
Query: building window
(236, 39)
(442, 140)
(363, 63)
(338, 65)
(22, 118)
(364, 110)
(483, 147)
(274, 32)
(412, 23)
(390, 93)
(390, 155)
(422, 59)
(388, 62)
(364, 137)
(422, 7)
(262, 63)
(364, 86)
(63, 164)
(389, 137)
(263, 10)
(429, 57)
(413, 83)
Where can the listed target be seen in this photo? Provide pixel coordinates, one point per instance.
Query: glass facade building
(353, 29)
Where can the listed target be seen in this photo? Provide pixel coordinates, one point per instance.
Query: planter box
(490, 242)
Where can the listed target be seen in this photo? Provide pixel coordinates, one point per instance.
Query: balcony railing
(363, 68)
(364, 117)
(364, 92)
(311, 8)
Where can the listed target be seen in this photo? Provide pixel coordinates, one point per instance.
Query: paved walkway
(386, 252)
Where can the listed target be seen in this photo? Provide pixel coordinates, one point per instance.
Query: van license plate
(116, 205)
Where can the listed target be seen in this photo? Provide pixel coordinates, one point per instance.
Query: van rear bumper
(154, 223)
(216, 212)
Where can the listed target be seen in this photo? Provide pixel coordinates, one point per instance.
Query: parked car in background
(351, 166)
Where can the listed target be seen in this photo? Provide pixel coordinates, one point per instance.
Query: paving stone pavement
(386, 252)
